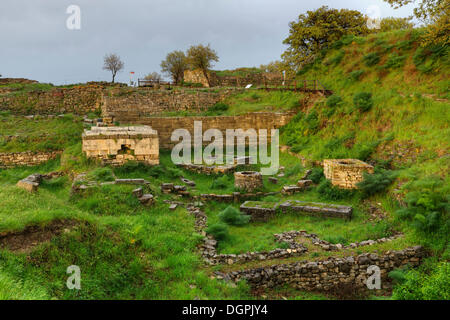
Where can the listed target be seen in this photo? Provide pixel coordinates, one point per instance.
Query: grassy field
(23, 134)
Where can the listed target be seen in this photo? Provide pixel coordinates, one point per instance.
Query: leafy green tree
(435, 14)
(317, 29)
(201, 57)
(174, 65)
(393, 23)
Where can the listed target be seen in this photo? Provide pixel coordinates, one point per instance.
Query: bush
(429, 282)
(395, 61)
(219, 107)
(371, 59)
(427, 206)
(233, 217)
(218, 230)
(363, 101)
(220, 183)
(337, 58)
(356, 75)
(316, 175)
(376, 182)
(293, 170)
(334, 100)
(330, 192)
(174, 172)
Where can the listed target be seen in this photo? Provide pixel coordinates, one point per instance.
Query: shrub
(395, 61)
(429, 282)
(293, 170)
(334, 100)
(219, 107)
(330, 192)
(233, 217)
(316, 175)
(218, 230)
(371, 59)
(336, 59)
(427, 206)
(174, 172)
(376, 182)
(356, 74)
(363, 101)
(220, 183)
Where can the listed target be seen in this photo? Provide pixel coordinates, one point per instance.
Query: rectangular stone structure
(259, 210)
(345, 173)
(317, 209)
(116, 145)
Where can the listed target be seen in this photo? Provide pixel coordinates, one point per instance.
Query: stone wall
(166, 125)
(28, 158)
(256, 79)
(77, 100)
(116, 145)
(131, 105)
(345, 173)
(328, 274)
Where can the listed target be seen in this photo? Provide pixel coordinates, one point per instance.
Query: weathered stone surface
(248, 180)
(190, 183)
(259, 210)
(304, 183)
(116, 145)
(345, 173)
(28, 185)
(273, 180)
(291, 189)
(325, 275)
(147, 199)
(318, 209)
(137, 181)
(139, 192)
(28, 158)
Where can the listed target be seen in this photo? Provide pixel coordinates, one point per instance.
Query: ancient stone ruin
(345, 173)
(248, 180)
(116, 145)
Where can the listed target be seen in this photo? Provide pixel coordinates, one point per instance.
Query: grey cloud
(35, 43)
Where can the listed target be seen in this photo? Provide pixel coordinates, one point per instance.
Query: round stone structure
(248, 180)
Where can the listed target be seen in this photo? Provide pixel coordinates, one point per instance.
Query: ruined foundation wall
(28, 158)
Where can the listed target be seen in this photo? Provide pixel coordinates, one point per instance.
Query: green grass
(21, 134)
(124, 253)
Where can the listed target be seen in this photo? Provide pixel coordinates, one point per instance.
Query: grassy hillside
(390, 107)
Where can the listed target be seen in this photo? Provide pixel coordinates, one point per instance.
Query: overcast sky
(36, 44)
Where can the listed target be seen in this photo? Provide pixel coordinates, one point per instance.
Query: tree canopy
(393, 23)
(174, 65)
(317, 29)
(201, 57)
(435, 14)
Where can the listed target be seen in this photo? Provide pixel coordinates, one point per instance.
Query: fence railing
(153, 83)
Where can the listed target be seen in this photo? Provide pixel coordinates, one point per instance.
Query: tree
(174, 65)
(317, 29)
(201, 57)
(435, 14)
(155, 76)
(273, 67)
(392, 23)
(112, 62)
